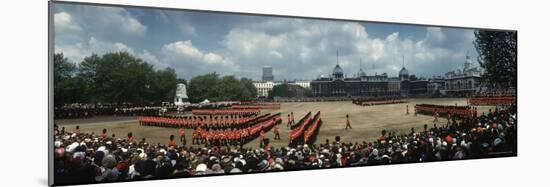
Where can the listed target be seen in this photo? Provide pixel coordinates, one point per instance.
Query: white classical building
(463, 81)
(302, 83)
(263, 87)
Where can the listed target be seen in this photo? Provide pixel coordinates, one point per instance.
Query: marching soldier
(262, 135)
(171, 142)
(195, 137)
(182, 136)
(348, 122)
(288, 121)
(277, 135)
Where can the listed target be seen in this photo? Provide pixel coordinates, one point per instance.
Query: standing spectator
(436, 116)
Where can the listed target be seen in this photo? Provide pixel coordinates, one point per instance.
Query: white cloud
(63, 21)
(150, 58)
(213, 58)
(113, 22)
(78, 51)
(188, 30)
(185, 51)
(392, 37)
(296, 48)
(103, 47)
(301, 48)
(119, 18)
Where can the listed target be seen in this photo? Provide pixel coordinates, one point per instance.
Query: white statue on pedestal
(181, 98)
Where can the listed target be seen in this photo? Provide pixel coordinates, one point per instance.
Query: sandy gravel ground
(367, 121)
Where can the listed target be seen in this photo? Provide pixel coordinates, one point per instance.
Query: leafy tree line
(288, 90)
(215, 88)
(281, 90)
(111, 78)
(498, 56)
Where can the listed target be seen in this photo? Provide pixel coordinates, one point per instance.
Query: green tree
(498, 57)
(230, 89)
(87, 74)
(165, 85)
(63, 73)
(203, 87)
(212, 87)
(250, 91)
(281, 90)
(112, 78)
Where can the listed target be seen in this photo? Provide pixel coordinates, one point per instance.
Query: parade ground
(367, 122)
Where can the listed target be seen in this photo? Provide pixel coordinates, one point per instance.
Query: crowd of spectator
(90, 110)
(369, 101)
(89, 158)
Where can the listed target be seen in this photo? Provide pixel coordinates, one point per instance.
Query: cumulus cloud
(114, 18)
(103, 22)
(187, 51)
(78, 51)
(305, 49)
(296, 48)
(188, 60)
(64, 22)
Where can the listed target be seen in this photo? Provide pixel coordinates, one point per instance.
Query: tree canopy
(111, 78)
(215, 88)
(498, 57)
(281, 90)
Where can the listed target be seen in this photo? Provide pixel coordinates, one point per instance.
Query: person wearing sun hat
(108, 170)
(201, 169)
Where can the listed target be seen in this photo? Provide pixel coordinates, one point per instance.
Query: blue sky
(195, 43)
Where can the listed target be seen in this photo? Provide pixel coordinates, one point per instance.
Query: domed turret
(467, 64)
(403, 73)
(362, 73)
(338, 72)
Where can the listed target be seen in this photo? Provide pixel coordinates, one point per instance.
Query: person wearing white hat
(201, 169)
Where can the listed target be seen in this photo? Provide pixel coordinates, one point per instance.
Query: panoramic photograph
(150, 93)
